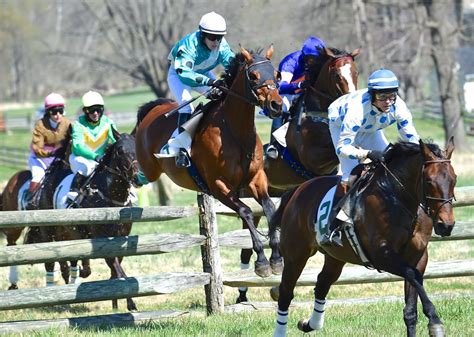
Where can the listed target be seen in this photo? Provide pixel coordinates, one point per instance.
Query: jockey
(296, 69)
(91, 134)
(357, 120)
(191, 62)
(49, 135)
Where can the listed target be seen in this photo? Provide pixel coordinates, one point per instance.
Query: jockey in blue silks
(298, 70)
(191, 62)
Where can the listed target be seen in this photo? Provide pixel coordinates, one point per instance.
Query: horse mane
(338, 52)
(236, 63)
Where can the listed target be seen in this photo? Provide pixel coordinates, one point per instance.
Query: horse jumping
(392, 229)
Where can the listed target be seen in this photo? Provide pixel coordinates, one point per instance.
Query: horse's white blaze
(13, 277)
(346, 73)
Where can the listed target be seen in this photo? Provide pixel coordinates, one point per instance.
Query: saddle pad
(322, 214)
(171, 148)
(60, 194)
(21, 202)
(280, 134)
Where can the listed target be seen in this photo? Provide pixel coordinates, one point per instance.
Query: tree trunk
(444, 39)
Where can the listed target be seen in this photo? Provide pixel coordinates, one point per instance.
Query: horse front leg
(410, 312)
(259, 188)
(116, 271)
(331, 271)
(390, 261)
(13, 234)
(85, 271)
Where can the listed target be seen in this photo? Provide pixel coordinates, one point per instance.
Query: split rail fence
(212, 277)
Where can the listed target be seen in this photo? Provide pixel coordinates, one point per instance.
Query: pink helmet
(52, 100)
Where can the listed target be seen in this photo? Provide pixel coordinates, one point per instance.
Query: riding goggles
(56, 110)
(95, 108)
(212, 37)
(384, 96)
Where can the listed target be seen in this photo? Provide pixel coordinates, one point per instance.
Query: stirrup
(332, 239)
(182, 159)
(272, 152)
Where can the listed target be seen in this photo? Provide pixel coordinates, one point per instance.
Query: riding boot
(182, 159)
(334, 234)
(30, 196)
(77, 185)
(272, 148)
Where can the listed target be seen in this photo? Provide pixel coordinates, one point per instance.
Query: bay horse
(226, 150)
(392, 230)
(109, 186)
(308, 138)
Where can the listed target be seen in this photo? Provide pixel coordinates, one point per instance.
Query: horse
(308, 138)
(391, 229)
(108, 186)
(11, 196)
(226, 150)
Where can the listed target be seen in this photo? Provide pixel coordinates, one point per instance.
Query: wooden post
(211, 259)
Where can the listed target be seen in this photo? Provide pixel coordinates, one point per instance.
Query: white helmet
(91, 98)
(213, 23)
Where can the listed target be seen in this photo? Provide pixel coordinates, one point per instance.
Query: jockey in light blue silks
(295, 69)
(191, 62)
(357, 120)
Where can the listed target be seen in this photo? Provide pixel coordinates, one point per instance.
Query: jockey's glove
(376, 156)
(304, 84)
(216, 83)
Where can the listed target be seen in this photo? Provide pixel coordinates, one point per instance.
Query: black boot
(77, 186)
(30, 203)
(334, 234)
(272, 148)
(182, 159)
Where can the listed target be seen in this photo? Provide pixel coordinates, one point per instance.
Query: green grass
(379, 319)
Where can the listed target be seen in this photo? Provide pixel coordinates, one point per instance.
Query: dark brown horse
(308, 138)
(391, 229)
(226, 149)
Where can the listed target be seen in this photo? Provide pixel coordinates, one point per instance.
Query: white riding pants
(82, 165)
(183, 92)
(365, 140)
(37, 168)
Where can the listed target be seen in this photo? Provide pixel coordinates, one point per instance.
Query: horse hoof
(436, 330)
(13, 287)
(275, 293)
(303, 325)
(241, 298)
(277, 267)
(84, 273)
(263, 270)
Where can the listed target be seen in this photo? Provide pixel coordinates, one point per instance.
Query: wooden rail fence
(212, 277)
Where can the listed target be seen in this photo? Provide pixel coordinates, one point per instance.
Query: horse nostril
(275, 105)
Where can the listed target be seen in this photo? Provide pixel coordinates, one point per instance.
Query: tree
(443, 22)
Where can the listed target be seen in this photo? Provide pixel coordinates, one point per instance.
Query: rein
(423, 205)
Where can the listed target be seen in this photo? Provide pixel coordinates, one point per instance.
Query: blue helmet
(312, 46)
(383, 79)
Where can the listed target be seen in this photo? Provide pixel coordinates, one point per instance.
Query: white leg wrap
(74, 274)
(316, 321)
(13, 277)
(50, 278)
(281, 323)
(244, 266)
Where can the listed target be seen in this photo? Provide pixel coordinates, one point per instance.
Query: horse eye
(253, 76)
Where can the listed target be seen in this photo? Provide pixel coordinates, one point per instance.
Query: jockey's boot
(272, 148)
(31, 201)
(182, 159)
(77, 185)
(334, 235)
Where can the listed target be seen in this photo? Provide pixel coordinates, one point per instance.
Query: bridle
(424, 204)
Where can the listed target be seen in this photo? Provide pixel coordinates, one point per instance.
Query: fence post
(211, 259)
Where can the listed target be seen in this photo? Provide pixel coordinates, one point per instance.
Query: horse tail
(275, 221)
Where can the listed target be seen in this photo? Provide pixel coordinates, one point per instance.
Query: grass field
(377, 319)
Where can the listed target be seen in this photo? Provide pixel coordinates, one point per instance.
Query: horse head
(261, 80)
(121, 157)
(439, 180)
(338, 76)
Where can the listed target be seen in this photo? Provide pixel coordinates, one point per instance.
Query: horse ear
(450, 147)
(246, 55)
(328, 52)
(426, 153)
(269, 52)
(355, 53)
(116, 134)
